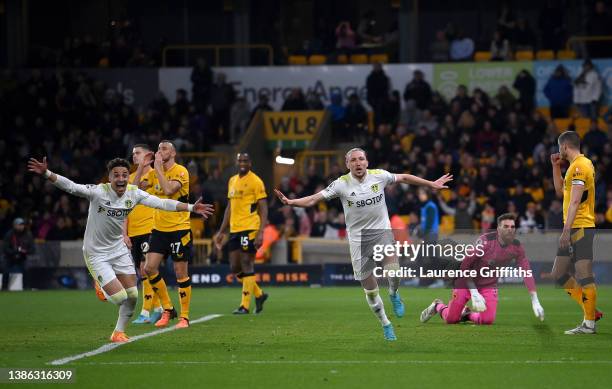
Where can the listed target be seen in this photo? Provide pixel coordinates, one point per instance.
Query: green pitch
(312, 337)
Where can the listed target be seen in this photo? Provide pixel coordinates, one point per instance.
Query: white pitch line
(111, 346)
(357, 362)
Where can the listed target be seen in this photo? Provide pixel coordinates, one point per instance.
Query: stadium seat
(317, 59)
(447, 224)
(359, 59)
(566, 54)
(544, 111)
(582, 125)
(342, 59)
(543, 55)
(482, 56)
(382, 58)
(562, 124)
(197, 227)
(524, 55)
(297, 60)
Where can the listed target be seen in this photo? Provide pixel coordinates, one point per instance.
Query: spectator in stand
(366, 30)
(313, 102)
(338, 115)
(554, 218)
(525, 84)
(439, 48)
(222, 97)
(18, 243)
(462, 98)
(599, 25)
(355, 118)
(418, 90)
(377, 85)
(487, 139)
(463, 211)
(505, 98)
(552, 25)
(295, 101)
(461, 48)
(201, 80)
(345, 37)
(531, 220)
(588, 90)
(559, 92)
(262, 105)
(240, 115)
(500, 48)
(524, 37)
(595, 140)
(506, 21)
(391, 110)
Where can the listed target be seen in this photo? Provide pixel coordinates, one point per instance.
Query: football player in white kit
(362, 193)
(106, 255)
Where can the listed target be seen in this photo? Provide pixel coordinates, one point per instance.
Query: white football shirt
(363, 202)
(107, 212)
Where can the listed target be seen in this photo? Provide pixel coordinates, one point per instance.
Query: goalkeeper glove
(538, 311)
(478, 302)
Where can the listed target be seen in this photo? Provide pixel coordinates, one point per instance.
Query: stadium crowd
(497, 147)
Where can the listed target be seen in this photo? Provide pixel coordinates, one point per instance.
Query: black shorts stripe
(155, 279)
(185, 284)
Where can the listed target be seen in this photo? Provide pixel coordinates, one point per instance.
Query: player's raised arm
(147, 159)
(414, 180)
(205, 210)
(61, 182)
(303, 202)
(555, 160)
(169, 187)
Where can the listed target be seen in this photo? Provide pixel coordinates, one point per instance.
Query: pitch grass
(312, 337)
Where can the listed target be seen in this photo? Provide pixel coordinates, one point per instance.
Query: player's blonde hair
(348, 153)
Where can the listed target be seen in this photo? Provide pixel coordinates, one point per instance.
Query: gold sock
(574, 291)
(156, 304)
(147, 295)
(184, 291)
(257, 292)
(160, 288)
(589, 298)
(247, 287)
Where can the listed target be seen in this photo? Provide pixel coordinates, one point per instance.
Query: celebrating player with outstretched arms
(106, 255)
(362, 193)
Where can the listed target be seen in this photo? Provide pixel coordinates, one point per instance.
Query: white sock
(589, 323)
(144, 313)
(377, 306)
(394, 282)
(159, 309)
(126, 309)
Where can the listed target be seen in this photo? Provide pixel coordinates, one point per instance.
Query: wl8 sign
(294, 129)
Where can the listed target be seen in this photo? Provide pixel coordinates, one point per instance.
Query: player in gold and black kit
(576, 241)
(247, 215)
(171, 233)
(136, 234)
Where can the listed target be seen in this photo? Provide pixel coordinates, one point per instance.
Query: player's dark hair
(570, 138)
(117, 162)
(143, 146)
(243, 153)
(170, 142)
(506, 216)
